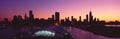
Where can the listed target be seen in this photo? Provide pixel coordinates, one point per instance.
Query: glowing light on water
(44, 33)
(112, 25)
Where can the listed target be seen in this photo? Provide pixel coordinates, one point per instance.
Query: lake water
(76, 33)
(112, 25)
(81, 34)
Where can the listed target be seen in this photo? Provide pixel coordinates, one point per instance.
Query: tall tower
(31, 16)
(90, 17)
(25, 17)
(15, 18)
(72, 18)
(20, 18)
(87, 18)
(80, 19)
(57, 17)
(53, 17)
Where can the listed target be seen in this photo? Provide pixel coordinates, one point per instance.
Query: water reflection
(76, 33)
(81, 34)
(112, 25)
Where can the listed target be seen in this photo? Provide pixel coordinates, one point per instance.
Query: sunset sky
(108, 10)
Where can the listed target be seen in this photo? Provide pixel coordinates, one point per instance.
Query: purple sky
(108, 10)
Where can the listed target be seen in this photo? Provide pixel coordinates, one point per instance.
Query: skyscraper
(95, 19)
(72, 18)
(31, 16)
(68, 18)
(25, 17)
(53, 17)
(80, 19)
(57, 17)
(20, 18)
(87, 18)
(15, 18)
(90, 17)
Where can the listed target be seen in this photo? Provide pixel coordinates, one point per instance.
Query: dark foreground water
(9, 32)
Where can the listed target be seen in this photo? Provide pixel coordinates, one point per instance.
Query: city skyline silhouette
(82, 19)
(107, 10)
(31, 15)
